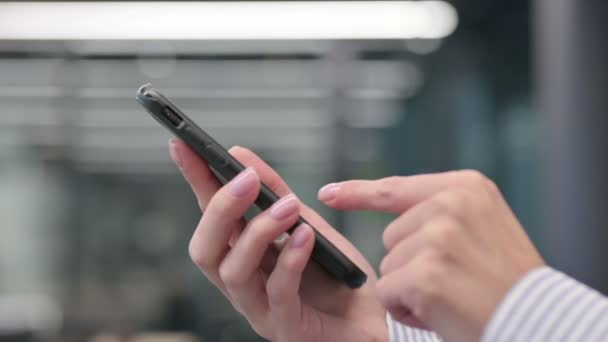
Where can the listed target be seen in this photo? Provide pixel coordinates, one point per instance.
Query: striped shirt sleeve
(403, 333)
(547, 305)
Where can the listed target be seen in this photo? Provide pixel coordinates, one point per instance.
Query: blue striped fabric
(402, 333)
(545, 305)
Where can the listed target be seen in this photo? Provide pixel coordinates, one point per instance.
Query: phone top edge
(147, 93)
(156, 104)
(143, 89)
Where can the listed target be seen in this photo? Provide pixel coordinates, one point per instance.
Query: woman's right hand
(283, 297)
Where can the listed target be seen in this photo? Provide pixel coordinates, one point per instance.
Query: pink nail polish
(285, 207)
(329, 192)
(175, 155)
(244, 183)
(300, 236)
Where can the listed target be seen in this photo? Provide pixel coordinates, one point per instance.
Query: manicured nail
(300, 236)
(328, 192)
(244, 183)
(285, 207)
(175, 155)
(281, 238)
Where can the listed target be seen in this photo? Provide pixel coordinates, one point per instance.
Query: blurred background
(95, 219)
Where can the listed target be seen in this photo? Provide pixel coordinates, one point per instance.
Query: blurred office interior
(95, 219)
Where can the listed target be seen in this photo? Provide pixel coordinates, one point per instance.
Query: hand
(282, 297)
(453, 253)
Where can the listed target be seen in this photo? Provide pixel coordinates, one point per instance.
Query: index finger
(203, 182)
(267, 174)
(395, 194)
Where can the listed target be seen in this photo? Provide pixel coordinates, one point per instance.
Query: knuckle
(474, 177)
(427, 290)
(493, 188)
(431, 278)
(219, 205)
(478, 180)
(277, 293)
(436, 239)
(384, 265)
(452, 202)
(416, 297)
(280, 292)
(199, 257)
(462, 204)
(388, 236)
(419, 305)
(444, 231)
(290, 265)
(260, 232)
(393, 232)
(383, 289)
(230, 277)
(391, 235)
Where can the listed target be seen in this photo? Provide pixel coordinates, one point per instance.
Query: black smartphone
(225, 167)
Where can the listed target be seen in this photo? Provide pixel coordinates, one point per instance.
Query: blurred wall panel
(572, 78)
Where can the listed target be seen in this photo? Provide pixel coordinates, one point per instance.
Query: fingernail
(285, 207)
(281, 238)
(328, 192)
(175, 155)
(244, 183)
(300, 236)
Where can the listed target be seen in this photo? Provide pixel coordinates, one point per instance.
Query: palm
(331, 304)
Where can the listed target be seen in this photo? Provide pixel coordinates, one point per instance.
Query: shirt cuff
(402, 333)
(547, 305)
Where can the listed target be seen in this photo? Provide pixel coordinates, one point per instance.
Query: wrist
(506, 304)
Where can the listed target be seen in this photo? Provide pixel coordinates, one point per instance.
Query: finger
(267, 174)
(241, 270)
(275, 183)
(403, 292)
(195, 170)
(402, 253)
(405, 316)
(409, 222)
(203, 182)
(435, 233)
(284, 282)
(210, 242)
(387, 289)
(393, 194)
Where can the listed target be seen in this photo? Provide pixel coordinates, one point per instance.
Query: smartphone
(225, 167)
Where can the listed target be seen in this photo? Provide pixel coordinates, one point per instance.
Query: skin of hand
(283, 297)
(454, 251)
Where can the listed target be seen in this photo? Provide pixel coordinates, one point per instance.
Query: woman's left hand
(453, 253)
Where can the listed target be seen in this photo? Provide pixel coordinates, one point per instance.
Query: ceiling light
(226, 20)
